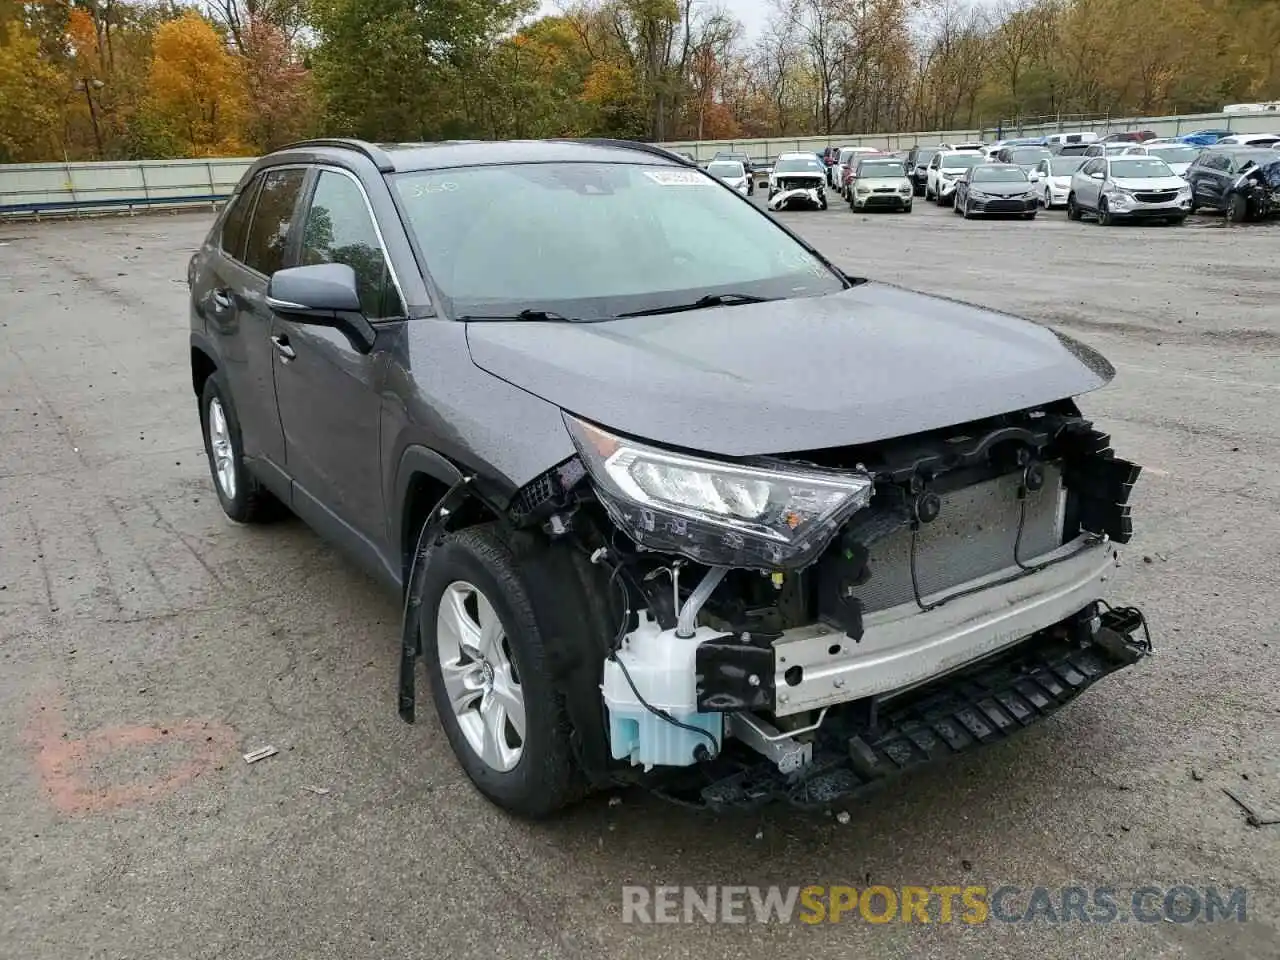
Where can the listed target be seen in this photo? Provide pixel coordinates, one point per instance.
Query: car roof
(449, 154)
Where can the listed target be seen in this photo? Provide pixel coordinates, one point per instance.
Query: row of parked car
(1127, 175)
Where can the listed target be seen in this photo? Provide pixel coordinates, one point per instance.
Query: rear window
(269, 233)
(1062, 166)
(236, 220)
(1029, 155)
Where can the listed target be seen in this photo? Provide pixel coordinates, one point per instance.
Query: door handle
(281, 344)
(222, 300)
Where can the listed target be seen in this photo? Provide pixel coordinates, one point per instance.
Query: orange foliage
(198, 87)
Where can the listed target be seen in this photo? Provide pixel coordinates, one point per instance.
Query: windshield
(592, 240)
(729, 169)
(874, 169)
(1029, 156)
(997, 175)
(1065, 166)
(1174, 154)
(798, 165)
(1140, 167)
(924, 156)
(739, 157)
(956, 161)
(1119, 146)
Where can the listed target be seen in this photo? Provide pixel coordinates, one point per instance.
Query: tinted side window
(339, 229)
(269, 233)
(236, 222)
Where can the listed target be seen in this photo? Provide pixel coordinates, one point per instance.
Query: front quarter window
(593, 240)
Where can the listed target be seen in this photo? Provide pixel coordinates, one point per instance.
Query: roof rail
(381, 159)
(650, 148)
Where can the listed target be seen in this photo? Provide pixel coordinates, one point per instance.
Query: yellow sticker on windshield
(678, 178)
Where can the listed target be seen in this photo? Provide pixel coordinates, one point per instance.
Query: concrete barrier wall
(28, 189)
(54, 188)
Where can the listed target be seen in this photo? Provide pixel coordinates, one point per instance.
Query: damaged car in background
(797, 180)
(671, 501)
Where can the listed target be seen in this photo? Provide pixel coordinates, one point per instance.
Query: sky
(754, 14)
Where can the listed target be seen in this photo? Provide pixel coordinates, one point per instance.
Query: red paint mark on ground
(62, 760)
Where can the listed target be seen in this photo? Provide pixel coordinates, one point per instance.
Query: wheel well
(421, 496)
(202, 367)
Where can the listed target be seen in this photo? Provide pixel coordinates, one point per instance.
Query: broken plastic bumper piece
(857, 750)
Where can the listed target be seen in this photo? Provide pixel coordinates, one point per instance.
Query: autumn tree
(197, 87)
(31, 95)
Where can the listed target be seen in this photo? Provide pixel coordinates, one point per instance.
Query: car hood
(1150, 183)
(1000, 188)
(799, 175)
(868, 363)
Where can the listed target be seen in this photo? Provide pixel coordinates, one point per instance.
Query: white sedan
(1052, 179)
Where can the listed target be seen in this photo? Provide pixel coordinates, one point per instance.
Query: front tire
(242, 497)
(1237, 209)
(490, 680)
(1104, 214)
(1073, 208)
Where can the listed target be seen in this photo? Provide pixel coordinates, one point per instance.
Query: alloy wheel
(480, 678)
(224, 463)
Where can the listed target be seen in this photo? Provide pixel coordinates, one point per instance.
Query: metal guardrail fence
(61, 189)
(58, 189)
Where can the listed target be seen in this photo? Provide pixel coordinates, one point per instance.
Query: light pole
(88, 85)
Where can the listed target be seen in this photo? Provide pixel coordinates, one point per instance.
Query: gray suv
(670, 499)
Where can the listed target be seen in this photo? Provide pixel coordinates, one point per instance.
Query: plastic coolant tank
(661, 666)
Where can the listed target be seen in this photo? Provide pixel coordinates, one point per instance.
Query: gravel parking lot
(146, 643)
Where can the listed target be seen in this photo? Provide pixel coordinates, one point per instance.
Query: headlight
(862, 190)
(717, 512)
(904, 189)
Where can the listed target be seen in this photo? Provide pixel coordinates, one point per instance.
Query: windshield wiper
(543, 316)
(710, 300)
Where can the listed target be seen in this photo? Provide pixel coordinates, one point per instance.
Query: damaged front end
(802, 626)
(798, 192)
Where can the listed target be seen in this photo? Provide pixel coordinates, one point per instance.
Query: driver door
(328, 391)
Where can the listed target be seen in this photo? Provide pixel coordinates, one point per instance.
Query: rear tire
(242, 497)
(544, 778)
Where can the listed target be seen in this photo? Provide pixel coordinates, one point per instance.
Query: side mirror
(323, 294)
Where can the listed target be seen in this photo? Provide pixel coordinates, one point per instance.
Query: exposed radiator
(973, 536)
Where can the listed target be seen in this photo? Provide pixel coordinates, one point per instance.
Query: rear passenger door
(329, 393)
(240, 319)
